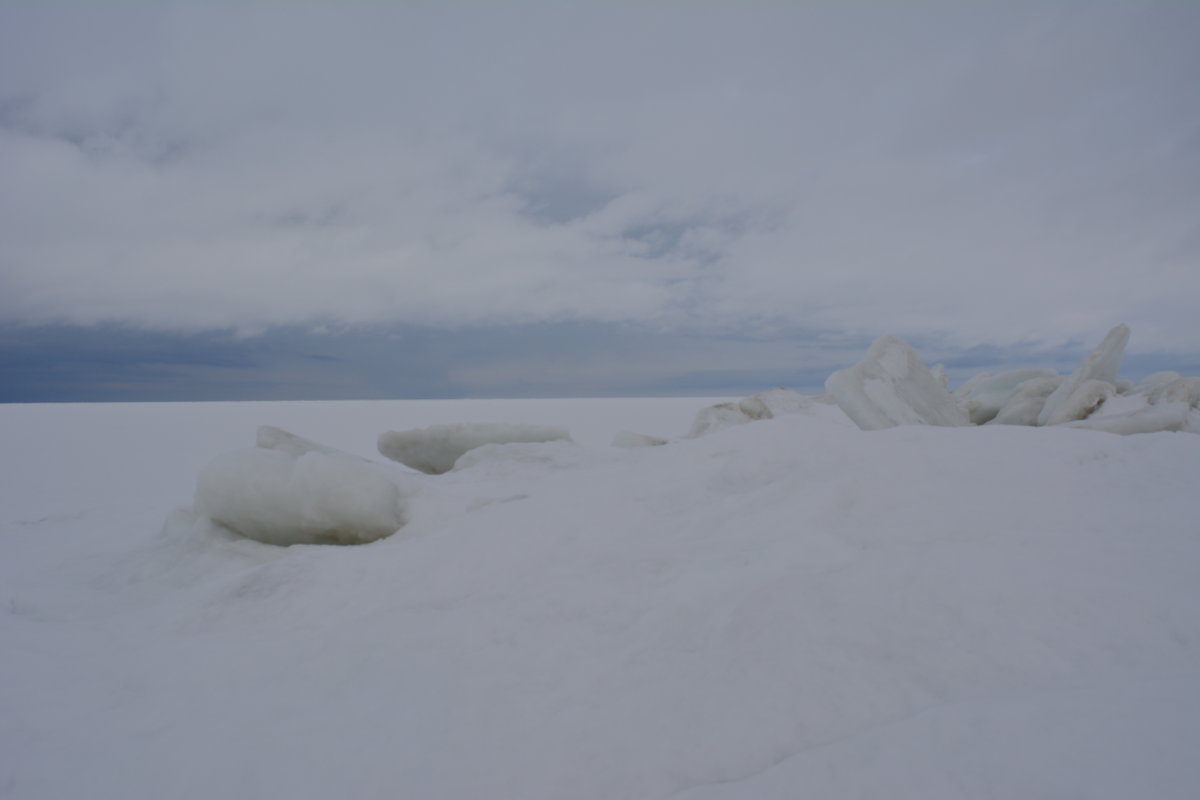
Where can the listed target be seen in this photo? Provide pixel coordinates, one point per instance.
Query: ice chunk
(1148, 419)
(1101, 364)
(1151, 382)
(1087, 397)
(892, 386)
(763, 405)
(939, 372)
(314, 497)
(987, 394)
(1024, 405)
(435, 449)
(1180, 390)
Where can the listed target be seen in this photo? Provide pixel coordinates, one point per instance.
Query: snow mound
(292, 491)
(1101, 364)
(434, 450)
(893, 386)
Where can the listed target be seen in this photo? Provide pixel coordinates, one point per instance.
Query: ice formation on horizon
(434, 450)
(893, 386)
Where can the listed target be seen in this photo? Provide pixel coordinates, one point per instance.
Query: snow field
(791, 607)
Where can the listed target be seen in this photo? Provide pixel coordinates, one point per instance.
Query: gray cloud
(980, 174)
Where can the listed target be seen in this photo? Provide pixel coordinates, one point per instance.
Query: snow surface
(788, 608)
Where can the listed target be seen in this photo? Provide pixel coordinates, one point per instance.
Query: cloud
(986, 173)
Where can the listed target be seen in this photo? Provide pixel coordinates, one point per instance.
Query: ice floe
(435, 449)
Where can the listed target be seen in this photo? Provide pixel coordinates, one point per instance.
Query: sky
(463, 199)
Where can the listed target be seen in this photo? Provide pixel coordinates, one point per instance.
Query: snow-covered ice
(435, 449)
(893, 386)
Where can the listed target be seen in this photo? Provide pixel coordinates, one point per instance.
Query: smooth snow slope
(786, 608)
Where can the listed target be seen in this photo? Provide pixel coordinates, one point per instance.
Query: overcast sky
(289, 199)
